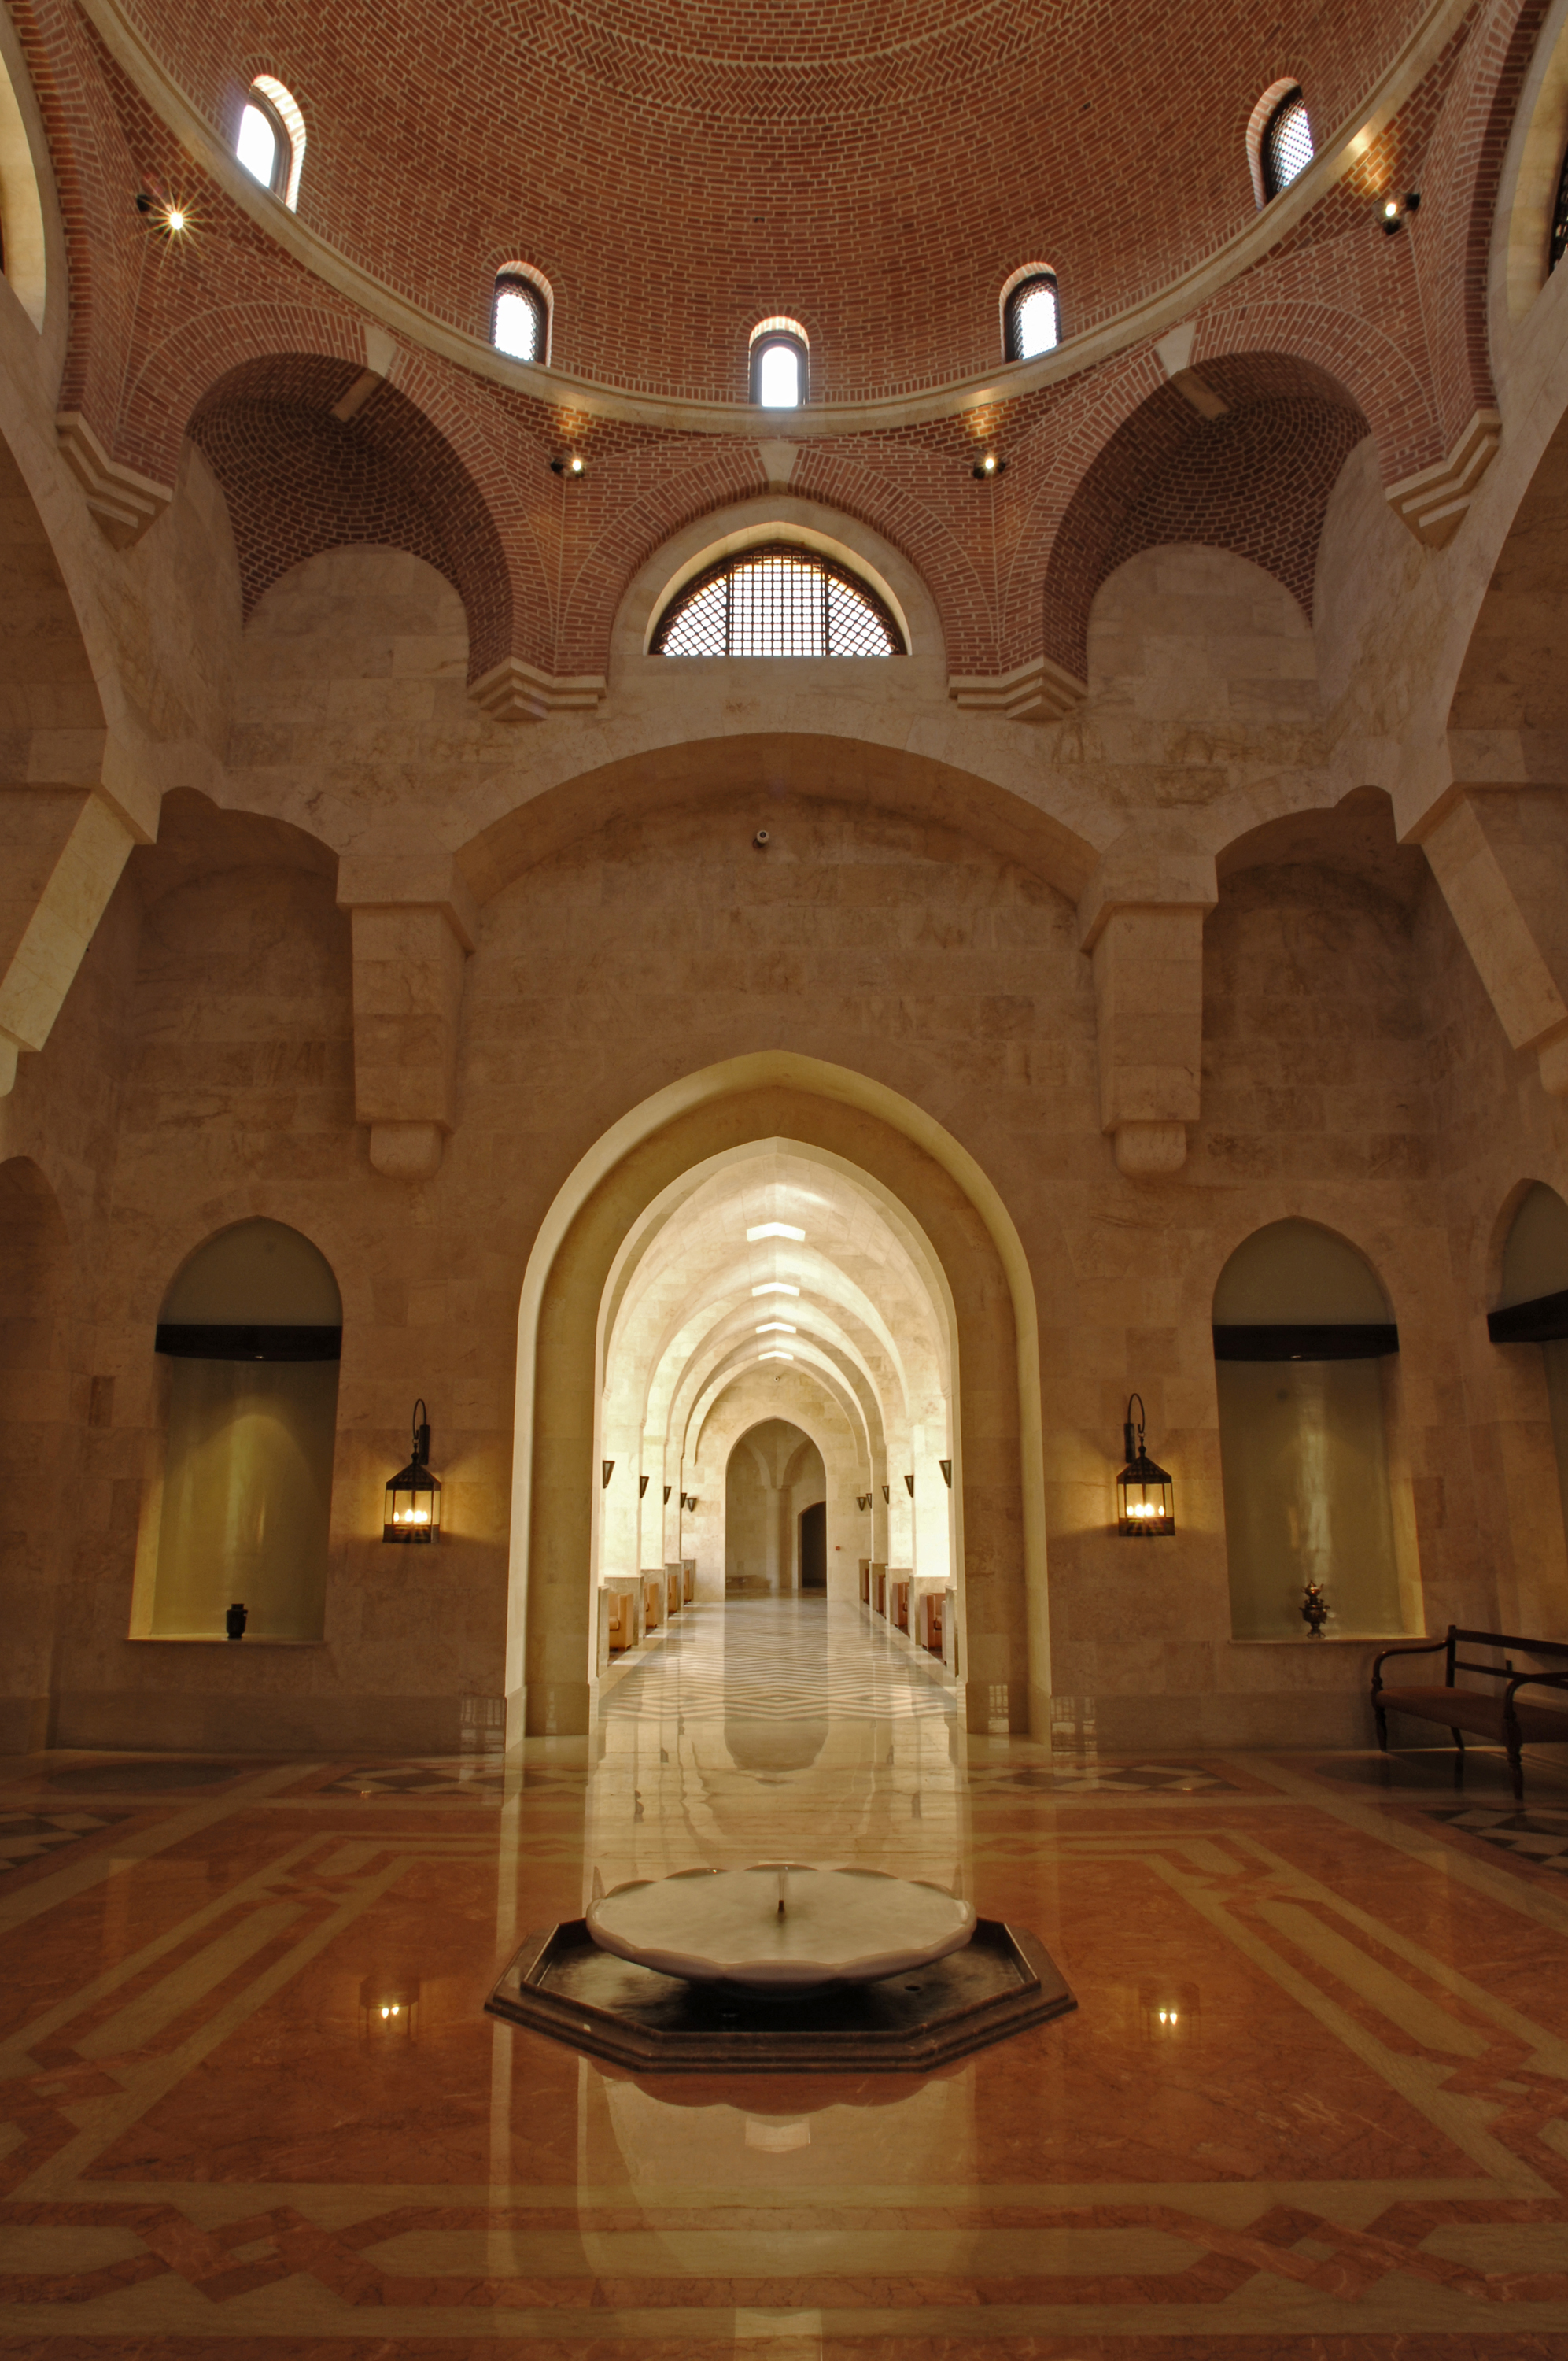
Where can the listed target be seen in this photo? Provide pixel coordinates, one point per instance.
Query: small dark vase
(1314, 1609)
(234, 1622)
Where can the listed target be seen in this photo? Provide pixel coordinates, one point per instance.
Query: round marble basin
(726, 1926)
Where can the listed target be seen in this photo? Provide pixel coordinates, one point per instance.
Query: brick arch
(1256, 481)
(298, 480)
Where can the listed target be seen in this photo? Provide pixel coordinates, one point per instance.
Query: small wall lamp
(947, 1467)
(1393, 211)
(887, 1491)
(863, 1500)
(689, 1499)
(641, 1486)
(668, 1489)
(573, 466)
(909, 1485)
(413, 1496)
(987, 469)
(1145, 1497)
(607, 1469)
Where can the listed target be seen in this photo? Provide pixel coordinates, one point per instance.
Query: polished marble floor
(1313, 2105)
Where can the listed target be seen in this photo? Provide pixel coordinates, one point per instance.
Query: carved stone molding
(1433, 500)
(1036, 691)
(124, 503)
(515, 691)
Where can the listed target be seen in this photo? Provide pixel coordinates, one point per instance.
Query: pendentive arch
(768, 1095)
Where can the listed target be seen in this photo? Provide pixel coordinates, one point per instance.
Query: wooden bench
(1485, 1714)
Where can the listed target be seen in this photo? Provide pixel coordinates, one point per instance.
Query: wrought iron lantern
(1145, 1497)
(413, 1496)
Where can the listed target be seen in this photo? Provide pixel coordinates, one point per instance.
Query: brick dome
(874, 170)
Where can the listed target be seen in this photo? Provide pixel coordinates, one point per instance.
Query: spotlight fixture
(571, 464)
(689, 1499)
(413, 1496)
(163, 213)
(887, 1491)
(863, 1500)
(668, 1489)
(989, 467)
(607, 1469)
(1145, 1497)
(909, 1485)
(947, 1467)
(1395, 210)
(641, 1486)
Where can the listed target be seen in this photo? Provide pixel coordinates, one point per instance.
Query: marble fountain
(782, 1967)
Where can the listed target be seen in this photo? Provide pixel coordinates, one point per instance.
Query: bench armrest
(1531, 1680)
(1422, 1648)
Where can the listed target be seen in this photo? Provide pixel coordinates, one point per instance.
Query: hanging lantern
(1145, 1497)
(413, 1496)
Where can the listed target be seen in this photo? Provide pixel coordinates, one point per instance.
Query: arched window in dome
(1285, 140)
(1559, 245)
(519, 318)
(271, 142)
(1031, 314)
(780, 361)
(780, 600)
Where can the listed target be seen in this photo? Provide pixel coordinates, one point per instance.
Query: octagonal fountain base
(562, 1984)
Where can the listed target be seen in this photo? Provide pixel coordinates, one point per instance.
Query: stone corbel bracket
(414, 923)
(515, 691)
(1141, 923)
(1036, 691)
(1433, 500)
(1498, 844)
(124, 503)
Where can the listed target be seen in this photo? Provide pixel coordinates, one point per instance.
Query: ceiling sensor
(760, 838)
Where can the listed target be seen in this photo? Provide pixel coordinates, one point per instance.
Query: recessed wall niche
(251, 1329)
(1303, 1338)
(1534, 1291)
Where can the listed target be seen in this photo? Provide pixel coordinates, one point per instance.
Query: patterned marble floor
(1313, 2105)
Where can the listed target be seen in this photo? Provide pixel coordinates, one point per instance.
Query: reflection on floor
(1313, 2105)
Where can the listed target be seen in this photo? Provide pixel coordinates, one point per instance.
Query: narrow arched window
(1031, 317)
(1285, 149)
(781, 358)
(1559, 245)
(777, 601)
(252, 1329)
(520, 322)
(271, 142)
(1303, 1337)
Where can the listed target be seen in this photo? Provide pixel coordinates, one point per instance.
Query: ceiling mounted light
(413, 1496)
(987, 469)
(774, 1230)
(776, 1355)
(571, 464)
(776, 1328)
(1145, 1497)
(775, 1287)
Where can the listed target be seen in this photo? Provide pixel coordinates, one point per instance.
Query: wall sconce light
(1393, 211)
(909, 1485)
(689, 1499)
(163, 213)
(641, 1486)
(1145, 1497)
(887, 1491)
(413, 1496)
(571, 464)
(863, 1500)
(947, 1467)
(987, 469)
(668, 1489)
(607, 1469)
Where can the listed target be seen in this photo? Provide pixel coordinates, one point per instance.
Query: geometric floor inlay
(1539, 1836)
(418, 1779)
(29, 1836)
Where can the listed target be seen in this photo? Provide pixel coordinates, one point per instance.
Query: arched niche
(1532, 1304)
(249, 1332)
(25, 248)
(41, 1438)
(1304, 1340)
(996, 1503)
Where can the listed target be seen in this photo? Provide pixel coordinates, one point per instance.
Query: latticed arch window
(1559, 245)
(777, 601)
(272, 141)
(518, 320)
(1285, 149)
(1032, 317)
